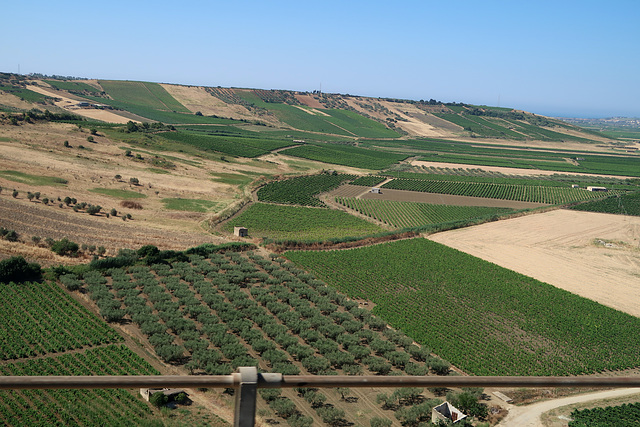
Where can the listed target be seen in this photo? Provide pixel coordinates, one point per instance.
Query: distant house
(240, 231)
(82, 104)
(376, 190)
(575, 186)
(446, 412)
(596, 188)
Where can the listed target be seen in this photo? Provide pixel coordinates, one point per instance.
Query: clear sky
(559, 58)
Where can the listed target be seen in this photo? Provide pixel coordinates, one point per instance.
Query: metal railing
(247, 381)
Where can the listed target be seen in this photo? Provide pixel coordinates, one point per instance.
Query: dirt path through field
(590, 254)
(529, 416)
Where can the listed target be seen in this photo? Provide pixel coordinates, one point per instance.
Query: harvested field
(30, 219)
(348, 190)
(593, 255)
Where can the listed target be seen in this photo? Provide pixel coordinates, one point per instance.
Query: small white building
(575, 186)
(240, 231)
(376, 190)
(590, 188)
(446, 412)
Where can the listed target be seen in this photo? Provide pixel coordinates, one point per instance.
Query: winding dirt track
(529, 416)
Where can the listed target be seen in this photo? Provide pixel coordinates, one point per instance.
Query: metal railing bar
(291, 381)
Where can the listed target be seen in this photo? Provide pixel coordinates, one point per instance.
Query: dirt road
(529, 416)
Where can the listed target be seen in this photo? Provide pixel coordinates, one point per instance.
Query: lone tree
(65, 247)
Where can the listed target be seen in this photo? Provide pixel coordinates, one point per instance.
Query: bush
(158, 399)
(65, 247)
(17, 269)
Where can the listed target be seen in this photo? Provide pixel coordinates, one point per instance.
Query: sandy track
(558, 248)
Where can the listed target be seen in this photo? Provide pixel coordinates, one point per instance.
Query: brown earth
(309, 101)
(590, 254)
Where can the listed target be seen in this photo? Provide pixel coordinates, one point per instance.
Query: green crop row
(525, 193)
(73, 86)
(414, 214)
(301, 190)
(227, 309)
(485, 319)
(293, 223)
(621, 204)
(234, 146)
(32, 310)
(346, 156)
(77, 407)
(627, 414)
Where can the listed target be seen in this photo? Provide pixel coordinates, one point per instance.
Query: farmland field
(590, 254)
(77, 407)
(26, 178)
(191, 205)
(346, 156)
(32, 311)
(217, 310)
(45, 332)
(415, 214)
(525, 193)
(301, 190)
(483, 318)
(300, 223)
(624, 204)
(234, 146)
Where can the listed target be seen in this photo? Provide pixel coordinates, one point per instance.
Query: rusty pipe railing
(247, 380)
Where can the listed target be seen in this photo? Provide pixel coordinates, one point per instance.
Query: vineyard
(39, 319)
(415, 214)
(219, 310)
(625, 204)
(45, 332)
(347, 156)
(233, 146)
(483, 318)
(525, 193)
(77, 407)
(292, 222)
(301, 190)
(627, 414)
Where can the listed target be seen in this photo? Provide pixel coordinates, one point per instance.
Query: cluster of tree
(37, 115)
(9, 235)
(132, 126)
(16, 269)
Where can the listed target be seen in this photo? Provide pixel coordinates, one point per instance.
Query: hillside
(339, 115)
(149, 180)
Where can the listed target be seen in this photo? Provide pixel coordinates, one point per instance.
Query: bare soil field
(35, 219)
(309, 101)
(358, 191)
(590, 254)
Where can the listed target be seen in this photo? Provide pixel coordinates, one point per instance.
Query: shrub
(134, 181)
(65, 247)
(17, 269)
(130, 204)
(158, 399)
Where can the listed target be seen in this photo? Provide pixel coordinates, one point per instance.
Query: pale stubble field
(590, 254)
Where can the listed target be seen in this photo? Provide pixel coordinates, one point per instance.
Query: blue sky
(559, 58)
